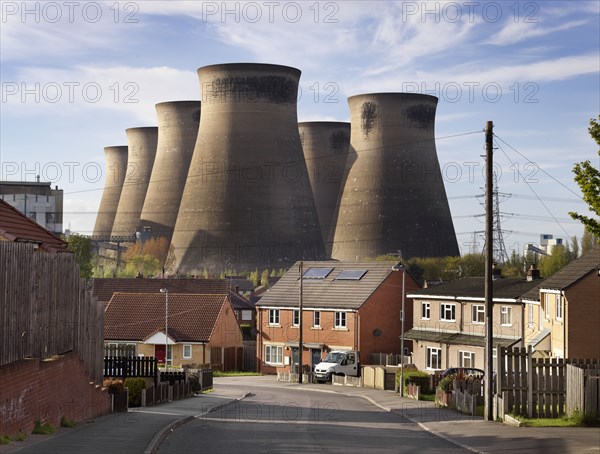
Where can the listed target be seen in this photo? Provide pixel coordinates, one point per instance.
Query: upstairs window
(273, 316)
(425, 311)
(340, 320)
(448, 312)
(478, 313)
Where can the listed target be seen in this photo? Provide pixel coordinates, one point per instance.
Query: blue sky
(75, 76)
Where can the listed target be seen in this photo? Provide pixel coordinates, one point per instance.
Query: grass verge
(577, 420)
(43, 429)
(235, 373)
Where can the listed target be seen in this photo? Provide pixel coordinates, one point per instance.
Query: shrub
(446, 383)
(66, 422)
(114, 386)
(135, 386)
(412, 375)
(43, 429)
(5, 439)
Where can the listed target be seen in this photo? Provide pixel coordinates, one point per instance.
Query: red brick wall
(382, 311)
(582, 310)
(46, 390)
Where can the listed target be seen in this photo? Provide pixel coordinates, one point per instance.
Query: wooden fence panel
(45, 309)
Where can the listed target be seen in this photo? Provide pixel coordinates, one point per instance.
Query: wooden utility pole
(489, 253)
(301, 266)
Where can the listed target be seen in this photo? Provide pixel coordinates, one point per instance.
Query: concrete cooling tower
(177, 132)
(325, 145)
(142, 150)
(394, 198)
(116, 166)
(247, 202)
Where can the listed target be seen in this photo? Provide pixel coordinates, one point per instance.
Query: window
(296, 317)
(273, 354)
(448, 312)
(246, 315)
(273, 316)
(434, 358)
(546, 308)
(530, 315)
(505, 315)
(187, 352)
(466, 359)
(340, 320)
(559, 307)
(425, 311)
(317, 319)
(169, 354)
(478, 313)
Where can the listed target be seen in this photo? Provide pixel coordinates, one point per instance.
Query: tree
(588, 179)
(82, 250)
(557, 260)
(587, 241)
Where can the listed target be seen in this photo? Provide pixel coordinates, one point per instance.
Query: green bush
(43, 429)
(135, 386)
(412, 375)
(446, 383)
(5, 439)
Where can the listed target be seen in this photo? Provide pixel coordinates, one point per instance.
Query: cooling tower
(394, 197)
(247, 202)
(116, 166)
(142, 150)
(325, 145)
(177, 132)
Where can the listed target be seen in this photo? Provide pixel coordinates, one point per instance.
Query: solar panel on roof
(351, 275)
(317, 273)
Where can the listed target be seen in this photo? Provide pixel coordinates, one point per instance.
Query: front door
(295, 360)
(159, 353)
(315, 357)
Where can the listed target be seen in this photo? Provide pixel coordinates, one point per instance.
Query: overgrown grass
(5, 439)
(235, 373)
(577, 420)
(43, 429)
(66, 422)
(21, 436)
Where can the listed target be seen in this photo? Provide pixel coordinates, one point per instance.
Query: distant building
(547, 242)
(37, 200)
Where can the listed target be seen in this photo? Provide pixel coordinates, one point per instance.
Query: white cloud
(514, 32)
(87, 88)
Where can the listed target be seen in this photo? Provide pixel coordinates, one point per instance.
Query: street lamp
(400, 267)
(166, 292)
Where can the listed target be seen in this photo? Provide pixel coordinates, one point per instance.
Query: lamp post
(400, 267)
(166, 292)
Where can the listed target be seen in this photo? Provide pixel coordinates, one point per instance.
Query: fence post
(529, 381)
(143, 403)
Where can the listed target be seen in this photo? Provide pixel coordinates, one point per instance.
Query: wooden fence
(228, 359)
(532, 387)
(46, 308)
(583, 390)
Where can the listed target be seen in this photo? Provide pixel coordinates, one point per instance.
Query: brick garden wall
(46, 390)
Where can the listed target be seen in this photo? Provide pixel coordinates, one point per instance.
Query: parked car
(463, 371)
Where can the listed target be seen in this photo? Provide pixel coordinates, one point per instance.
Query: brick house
(196, 324)
(562, 314)
(449, 321)
(346, 306)
(15, 226)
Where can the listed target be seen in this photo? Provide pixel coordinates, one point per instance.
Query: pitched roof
(103, 288)
(135, 316)
(328, 291)
(474, 287)
(239, 302)
(15, 226)
(567, 276)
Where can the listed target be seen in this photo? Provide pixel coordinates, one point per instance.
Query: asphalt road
(285, 420)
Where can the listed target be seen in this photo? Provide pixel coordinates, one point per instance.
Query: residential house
(245, 313)
(104, 288)
(14, 226)
(191, 325)
(449, 321)
(562, 314)
(345, 306)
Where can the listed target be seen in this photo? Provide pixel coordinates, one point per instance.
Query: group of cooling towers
(234, 182)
